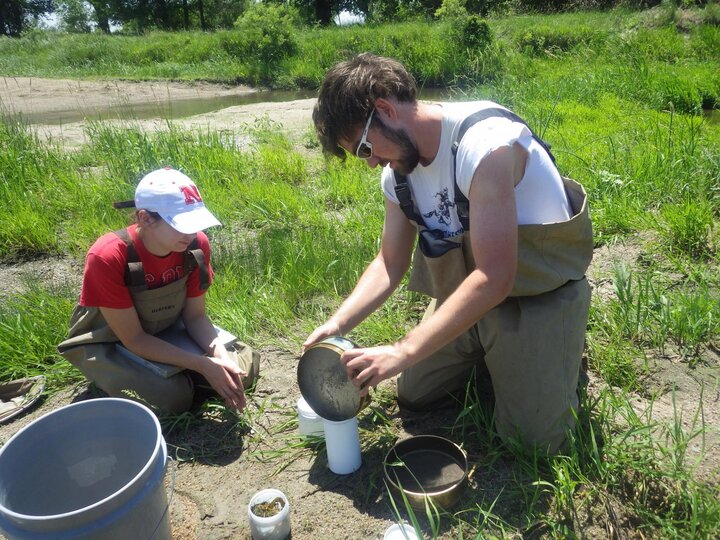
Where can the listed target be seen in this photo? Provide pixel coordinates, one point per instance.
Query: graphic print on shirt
(442, 212)
(169, 275)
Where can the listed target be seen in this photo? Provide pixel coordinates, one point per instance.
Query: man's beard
(409, 151)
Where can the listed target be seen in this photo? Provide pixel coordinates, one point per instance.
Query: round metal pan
(324, 382)
(426, 467)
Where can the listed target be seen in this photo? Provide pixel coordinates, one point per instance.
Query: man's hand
(368, 367)
(330, 328)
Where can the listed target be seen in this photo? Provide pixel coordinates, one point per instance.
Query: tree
(15, 14)
(324, 11)
(103, 11)
(321, 12)
(393, 10)
(223, 13)
(451, 10)
(201, 12)
(140, 15)
(74, 16)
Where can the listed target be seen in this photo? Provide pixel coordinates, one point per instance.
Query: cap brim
(193, 221)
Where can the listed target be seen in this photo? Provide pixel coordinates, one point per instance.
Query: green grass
(618, 99)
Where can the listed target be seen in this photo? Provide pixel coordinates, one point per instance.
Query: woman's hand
(225, 376)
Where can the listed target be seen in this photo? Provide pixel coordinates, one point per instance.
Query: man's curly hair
(348, 92)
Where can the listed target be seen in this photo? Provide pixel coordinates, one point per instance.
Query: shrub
(234, 43)
(268, 31)
(472, 31)
(452, 10)
(475, 33)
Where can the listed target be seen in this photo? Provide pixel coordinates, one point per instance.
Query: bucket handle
(173, 468)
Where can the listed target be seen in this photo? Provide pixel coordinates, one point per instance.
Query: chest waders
(90, 345)
(532, 343)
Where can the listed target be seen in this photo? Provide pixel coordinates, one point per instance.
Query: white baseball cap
(176, 198)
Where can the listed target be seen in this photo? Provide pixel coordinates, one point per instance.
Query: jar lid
(400, 531)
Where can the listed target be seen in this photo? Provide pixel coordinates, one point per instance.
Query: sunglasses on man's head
(364, 147)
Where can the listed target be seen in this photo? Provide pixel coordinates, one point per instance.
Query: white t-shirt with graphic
(539, 196)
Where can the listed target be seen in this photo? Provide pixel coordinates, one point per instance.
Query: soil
(219, 462)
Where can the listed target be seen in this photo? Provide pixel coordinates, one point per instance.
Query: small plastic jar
(275, 527)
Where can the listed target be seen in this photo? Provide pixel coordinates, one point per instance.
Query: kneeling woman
(149, 279)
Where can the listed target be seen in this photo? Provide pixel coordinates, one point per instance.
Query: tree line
(137, 16)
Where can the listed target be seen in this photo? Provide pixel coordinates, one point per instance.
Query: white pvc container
(342, 443)
(275, 527)
(400, 531)
(309, 423)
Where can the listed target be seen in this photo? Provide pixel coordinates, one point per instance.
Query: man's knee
(546, 435)
(424, 397)
(413, 401)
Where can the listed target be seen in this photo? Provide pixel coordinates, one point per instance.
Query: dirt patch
(32, 95)
(221, 461)
(688, 396)
(54, 272)
(675, 391)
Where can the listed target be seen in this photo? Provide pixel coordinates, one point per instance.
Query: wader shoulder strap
(462, 205)
(135, 274)
(402, 191)
(494, 112)
(195, 258)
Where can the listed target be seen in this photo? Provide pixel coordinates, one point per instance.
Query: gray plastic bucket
(90, 470)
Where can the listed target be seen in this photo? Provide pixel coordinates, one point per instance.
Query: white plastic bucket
(275, 527)
(89, 470)
(309, 423)
(342, 443)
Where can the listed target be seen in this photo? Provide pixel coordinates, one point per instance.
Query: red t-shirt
(104, 278)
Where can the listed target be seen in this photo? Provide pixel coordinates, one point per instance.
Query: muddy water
(167, 109)
(182, 108)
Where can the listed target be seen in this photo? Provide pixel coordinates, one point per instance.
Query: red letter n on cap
(192, 195)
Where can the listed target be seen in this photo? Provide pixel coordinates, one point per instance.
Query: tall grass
(30, 325)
